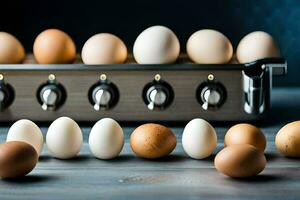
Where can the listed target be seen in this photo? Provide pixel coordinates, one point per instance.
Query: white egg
(199, 139)
(156, 45)
(106, 139)
(26, 131)
(64, 138)
(256, 45)
(209, 47)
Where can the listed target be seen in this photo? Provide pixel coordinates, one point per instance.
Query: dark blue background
(127, 19)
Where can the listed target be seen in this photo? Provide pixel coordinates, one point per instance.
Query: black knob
(104, 94)
(211, 94)
(51, 95)
(7, 94)
(158, 94)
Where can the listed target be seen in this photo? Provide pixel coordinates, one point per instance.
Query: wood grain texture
(174, 177)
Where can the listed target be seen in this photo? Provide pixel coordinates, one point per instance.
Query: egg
(64, 138)
(287, 140)
(17, 159)
(209, 47)
(152, 141)
(256, 45)
(199, 139)
(246, 134)
(156, 45)
(26, 131)
(240, 161)
(11, 49)
(104, 48)
(54, 46)
(106, 139)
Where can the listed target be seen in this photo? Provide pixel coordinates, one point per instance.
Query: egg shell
(106, 139)
(17, 159)
(104, 48)
(152, 141)
(54, 46)
(256, 45)
(156, 45)
(199, 139)
(11, 49)
(64, 138)
(209, 47)
(287, 140)
(245, 134)
(26, 131)
(240, 161)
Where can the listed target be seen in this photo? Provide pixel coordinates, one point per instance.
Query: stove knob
(7, 94)
(158, 94)
(103, 95)
(51, 95)
(211, 95)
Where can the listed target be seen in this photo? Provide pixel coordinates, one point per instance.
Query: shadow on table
(178, 158)
(30, 179)
(271, 156)
(120, 158)
(169, 158)
(128, 157)
(275, 156)
(79, 158)
(261, 178)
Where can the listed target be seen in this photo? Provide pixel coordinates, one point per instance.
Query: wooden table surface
(174, 177)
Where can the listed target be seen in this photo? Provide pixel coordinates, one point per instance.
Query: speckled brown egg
(54, 46)
(152, 141)
(17, 159)
(287, 140)
(240, 161)
(245, 134)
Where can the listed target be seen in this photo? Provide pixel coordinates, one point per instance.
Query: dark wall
(127, 19)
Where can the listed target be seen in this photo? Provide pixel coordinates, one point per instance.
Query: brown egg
(240, 161)
(287, 140)
(152, 141)
(11, 49)
(245, 134)
(16, 159)
(54, 46)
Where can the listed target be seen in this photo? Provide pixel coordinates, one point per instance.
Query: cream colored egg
(106, 139)
(209, 47)
(11, 49)
(104, 48)
(256, 45)
(26, 131)
(64, 138)
(199, 139)
(156, 45)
